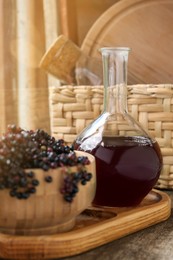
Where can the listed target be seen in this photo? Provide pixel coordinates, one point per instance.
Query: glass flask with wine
(128, 160)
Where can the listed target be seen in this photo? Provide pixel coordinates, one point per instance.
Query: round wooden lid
(146, 26)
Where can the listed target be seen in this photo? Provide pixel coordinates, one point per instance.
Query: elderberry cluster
(27, 149)
(71, 181)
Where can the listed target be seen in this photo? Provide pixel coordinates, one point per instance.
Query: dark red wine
(127, 169)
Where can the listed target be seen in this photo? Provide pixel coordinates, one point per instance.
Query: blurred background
(27, 29)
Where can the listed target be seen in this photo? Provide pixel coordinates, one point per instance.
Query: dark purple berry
(68, 198)
(83, 182)
(48, 179)
(35, 182)
(30, 174)
(32, 190)
(13, 193)
(21, 150)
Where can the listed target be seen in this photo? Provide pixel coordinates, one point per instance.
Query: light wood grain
(76, 16)
(146, 27)
(46, 211)
(94, 227)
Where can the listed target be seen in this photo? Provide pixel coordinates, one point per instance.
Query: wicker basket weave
(74, 107)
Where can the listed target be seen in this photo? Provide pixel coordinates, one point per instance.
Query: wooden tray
(95, 227)
(146, 27)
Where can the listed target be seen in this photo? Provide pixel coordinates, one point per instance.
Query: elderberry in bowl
(44, 184)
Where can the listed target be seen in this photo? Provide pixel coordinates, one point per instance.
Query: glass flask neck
(115, 79)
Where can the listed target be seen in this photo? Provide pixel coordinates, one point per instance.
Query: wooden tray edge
(80, 241)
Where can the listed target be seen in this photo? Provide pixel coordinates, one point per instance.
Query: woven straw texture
(74, 107)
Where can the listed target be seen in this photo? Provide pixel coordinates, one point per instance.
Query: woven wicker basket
(74, 107)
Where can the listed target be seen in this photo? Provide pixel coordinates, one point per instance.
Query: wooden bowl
(46, 211)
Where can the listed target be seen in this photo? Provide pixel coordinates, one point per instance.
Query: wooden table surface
(155, 242)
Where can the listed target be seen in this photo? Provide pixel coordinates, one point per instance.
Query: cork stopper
(60, 59)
